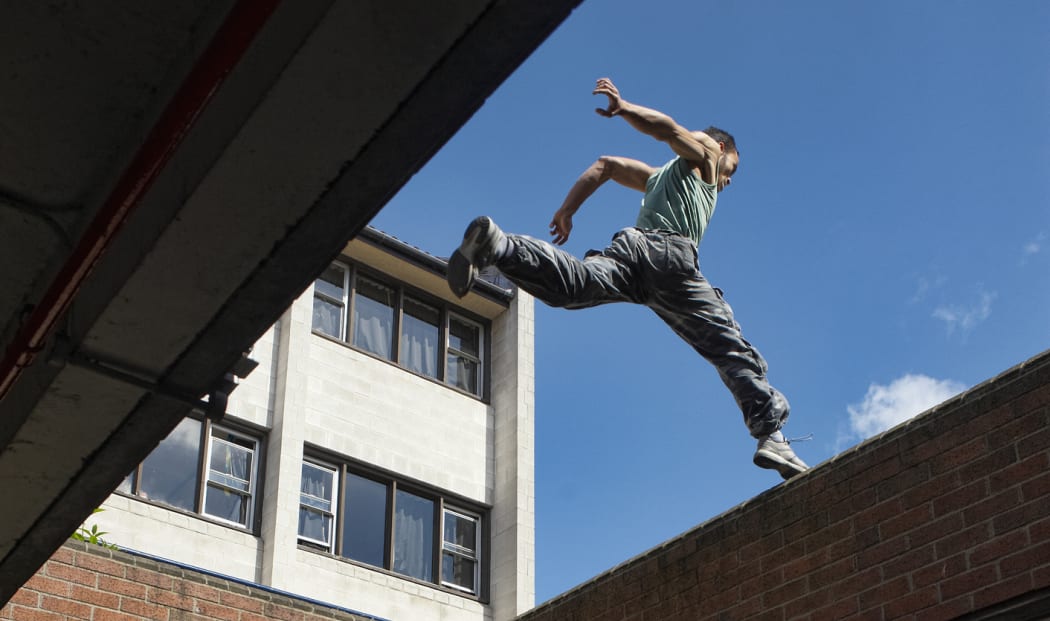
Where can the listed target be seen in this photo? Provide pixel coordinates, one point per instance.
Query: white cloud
(965, 317)
(1032, 248)
(886, 406)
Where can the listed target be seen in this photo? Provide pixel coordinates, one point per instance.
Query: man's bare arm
(696, 147)
(627, 172)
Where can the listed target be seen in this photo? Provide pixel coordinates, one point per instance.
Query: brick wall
(84, 581)
(935, 519)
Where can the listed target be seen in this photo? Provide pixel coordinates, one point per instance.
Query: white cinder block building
(380, 458)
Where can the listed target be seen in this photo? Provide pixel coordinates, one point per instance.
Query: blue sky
(885, 243)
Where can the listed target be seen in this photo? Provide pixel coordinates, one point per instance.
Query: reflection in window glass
(374, 317)
(230, 470)
(316, 503)
(419, 338)
(459, 551)
(329, 302)
(169, 474)
(414, 536)
(464, 345)
(364, 524)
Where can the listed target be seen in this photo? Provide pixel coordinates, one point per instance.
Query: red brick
(1034, 443)
(991, 507)
(1019, 473)
(1002, 590)
(1020, 517)
(883, 592)
(64, 555)
(120, 586)
(968, 582)
(963, 540)
(960, 498)
(878, 553)
(70, 573)
(776, 595)
(149, 578)
(113, 615)
(1025, 560)
(140, 608)
(999, 547)
(836, 611)
(992, 462)
(44, 584)
(65, 607)
(903, 522)
(22, 613)
(945, 611)
(201, 591)
(1039, 530)
(95, 597)
(874, 516)
(903, 481)
(283, 613)
(910, 603)
(1037, 487)
(855, 582)
(25, 597)
(959, 455)
(937, 487)
(909, 561)
(101, 565)
(171, 600)
(940, 571)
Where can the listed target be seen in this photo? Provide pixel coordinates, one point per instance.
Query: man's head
(730, 158)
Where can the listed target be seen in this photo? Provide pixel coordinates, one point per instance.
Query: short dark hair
(721, 135)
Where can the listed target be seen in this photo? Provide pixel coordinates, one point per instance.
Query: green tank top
(677, 199)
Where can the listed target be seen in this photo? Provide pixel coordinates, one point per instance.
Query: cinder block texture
(942, 516)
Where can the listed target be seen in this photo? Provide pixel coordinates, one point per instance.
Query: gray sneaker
(774, 452)
(481, 243)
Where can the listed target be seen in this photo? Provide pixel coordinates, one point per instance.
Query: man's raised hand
(607, 88)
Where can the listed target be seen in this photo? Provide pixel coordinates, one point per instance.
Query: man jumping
(653, 263)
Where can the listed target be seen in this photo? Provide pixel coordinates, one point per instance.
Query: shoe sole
(461, 274)
(786, 469)
(461, 270)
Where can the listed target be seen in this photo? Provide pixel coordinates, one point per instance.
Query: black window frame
(448, 312)
(202, 474)
(443, 502)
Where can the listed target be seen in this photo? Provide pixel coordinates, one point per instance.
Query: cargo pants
(658, 269)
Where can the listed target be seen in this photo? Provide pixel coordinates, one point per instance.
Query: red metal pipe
(226, 49)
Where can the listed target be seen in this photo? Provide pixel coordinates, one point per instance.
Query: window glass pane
(458, 571)
(170, 473)
(317, 489)
(222, 503)
(463, 336)
(414, 536)
(461, 531)
(364, 524)
(374, 317)
(419, 338)
(331, 283)
(228, 494)
(462, 372)
(230, 463)
(328, 318)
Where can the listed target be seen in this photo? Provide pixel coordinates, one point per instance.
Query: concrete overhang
(172, 176)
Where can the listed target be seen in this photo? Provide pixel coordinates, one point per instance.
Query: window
(420, 334)
(201, 468)
(330, 293)
(317, 504)
(407, 530)
(459, 550)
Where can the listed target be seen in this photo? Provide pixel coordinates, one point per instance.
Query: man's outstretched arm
(627, 172)
(696, 147)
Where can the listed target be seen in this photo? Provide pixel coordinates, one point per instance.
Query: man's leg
(697, 312)
(552, 275)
